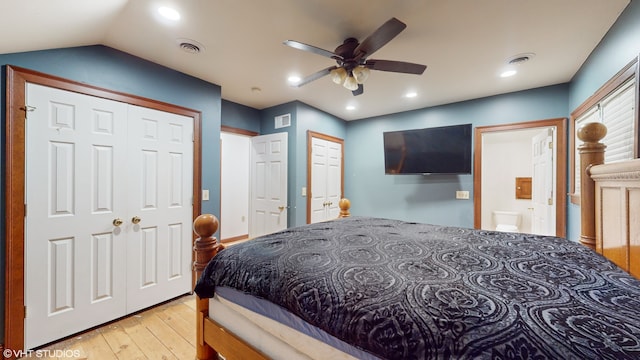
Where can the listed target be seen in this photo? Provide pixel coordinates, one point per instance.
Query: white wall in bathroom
(505, 156)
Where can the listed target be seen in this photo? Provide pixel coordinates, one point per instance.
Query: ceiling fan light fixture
(360, 73)
(350, 83)
(338, 75)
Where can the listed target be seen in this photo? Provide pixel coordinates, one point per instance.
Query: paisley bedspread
(404, 290)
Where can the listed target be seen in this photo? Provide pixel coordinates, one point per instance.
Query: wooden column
(205, 247)
(591, 153)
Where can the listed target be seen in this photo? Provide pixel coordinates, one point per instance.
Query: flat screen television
(436, 150)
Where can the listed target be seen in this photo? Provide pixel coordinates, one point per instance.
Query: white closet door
(74, 274)
(326, 179)
(160, 158)
(90, 162)
(319, 171)
(334, 178)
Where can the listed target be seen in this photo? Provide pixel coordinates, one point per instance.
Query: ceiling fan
(353, 67)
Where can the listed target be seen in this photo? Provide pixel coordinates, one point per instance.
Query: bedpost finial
(344, 205)
(592, 132)
(205, 225)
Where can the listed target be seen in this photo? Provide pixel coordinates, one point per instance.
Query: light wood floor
(166, 331)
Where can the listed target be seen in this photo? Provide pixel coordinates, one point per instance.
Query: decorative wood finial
(592, 132)
(344, 205)
(206, 245)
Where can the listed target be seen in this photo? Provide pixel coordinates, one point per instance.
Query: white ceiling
(464, 43)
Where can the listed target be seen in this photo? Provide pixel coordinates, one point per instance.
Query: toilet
(506, 220)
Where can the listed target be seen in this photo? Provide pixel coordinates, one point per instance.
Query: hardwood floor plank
(180, 347)
(96, 347)
(121, 343)
(146, 340)
(180, 318)
(165, 332)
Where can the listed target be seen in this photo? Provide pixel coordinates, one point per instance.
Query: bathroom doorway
(504, 161)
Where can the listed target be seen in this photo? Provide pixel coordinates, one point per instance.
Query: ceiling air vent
(190, 46)
(520, 58)
(283, 121)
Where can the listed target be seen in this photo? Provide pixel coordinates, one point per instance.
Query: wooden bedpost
(205, 248)
(344, 205)
(591, 153)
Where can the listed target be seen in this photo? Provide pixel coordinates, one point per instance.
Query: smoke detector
(190, 46)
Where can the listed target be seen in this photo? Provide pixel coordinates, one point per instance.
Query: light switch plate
(463, 195)
(205, 195)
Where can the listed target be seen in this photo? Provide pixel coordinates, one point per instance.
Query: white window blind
(616, 111)
(617, 114)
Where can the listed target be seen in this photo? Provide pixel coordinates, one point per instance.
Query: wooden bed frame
(610, 224)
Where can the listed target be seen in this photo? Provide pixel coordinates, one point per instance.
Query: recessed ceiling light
(350, 107)
(508, 73)
(294, 79)
(169, 13)
(411, 94)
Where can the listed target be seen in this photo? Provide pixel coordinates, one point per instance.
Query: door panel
(326, 179)
(160, 155)
(544, 217)
(72, 197)
(269, 184)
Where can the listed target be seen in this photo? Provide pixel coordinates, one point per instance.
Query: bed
(371, 288)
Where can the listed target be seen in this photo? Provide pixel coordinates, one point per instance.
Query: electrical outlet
(304, 191)
(463, 195)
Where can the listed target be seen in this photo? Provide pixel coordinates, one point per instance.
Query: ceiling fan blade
(316, 50)
(396, 66)
(316, 76)
(379, 38)
(358, 91)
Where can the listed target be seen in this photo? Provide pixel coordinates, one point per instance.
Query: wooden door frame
(15, 160)
(561, 167)
(310, 136)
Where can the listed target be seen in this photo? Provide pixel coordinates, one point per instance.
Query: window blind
(618, 115)
(616, 111)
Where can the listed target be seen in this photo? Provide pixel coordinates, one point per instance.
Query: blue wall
(431, 198)
(617, 49)
(303, 118)
(240, 116)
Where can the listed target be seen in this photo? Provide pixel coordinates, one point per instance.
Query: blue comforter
(404, 290)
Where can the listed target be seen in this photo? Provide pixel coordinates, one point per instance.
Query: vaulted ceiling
(466, 44)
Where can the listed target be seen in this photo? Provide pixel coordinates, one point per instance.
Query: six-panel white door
(160, 188)
(85, 171)
(543, 221)
(268, 208)
(326, 179)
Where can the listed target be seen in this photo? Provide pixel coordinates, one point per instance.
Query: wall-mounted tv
(436, 150)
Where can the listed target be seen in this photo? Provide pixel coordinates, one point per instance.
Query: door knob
(280, 207)
(117, 222)
(135, 220)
